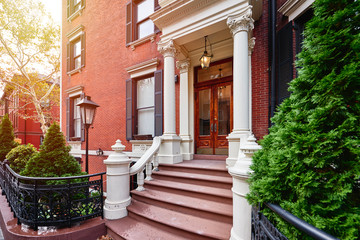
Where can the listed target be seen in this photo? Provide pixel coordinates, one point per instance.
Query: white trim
(143, 68)
(75, 33)
(74, 91)
(294, 8)
(140, 41)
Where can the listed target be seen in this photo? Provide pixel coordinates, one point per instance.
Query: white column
(186, 140)
(240, 25)
(117, 184)
(242, 144)
(169, 151)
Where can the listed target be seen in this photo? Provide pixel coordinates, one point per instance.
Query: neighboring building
(139, 60)
(22, 116)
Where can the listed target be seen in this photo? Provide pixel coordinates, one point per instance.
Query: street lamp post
(87, 110)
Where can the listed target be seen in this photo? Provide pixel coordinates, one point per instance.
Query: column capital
(241, 22)
(167, 49)
(251, 45)
(183, 65)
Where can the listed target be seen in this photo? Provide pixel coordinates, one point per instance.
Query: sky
(54, 8)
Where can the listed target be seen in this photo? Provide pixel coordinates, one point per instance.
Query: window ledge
(140, 41)
(78, 70)
(75, 14)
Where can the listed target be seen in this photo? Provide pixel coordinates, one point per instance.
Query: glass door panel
(223, 96)
(204, 112)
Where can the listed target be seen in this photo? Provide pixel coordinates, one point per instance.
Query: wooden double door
(213, 117)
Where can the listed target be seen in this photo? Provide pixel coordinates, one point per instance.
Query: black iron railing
(57, 201)
(262, 228)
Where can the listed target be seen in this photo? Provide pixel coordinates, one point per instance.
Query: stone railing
(118, 172)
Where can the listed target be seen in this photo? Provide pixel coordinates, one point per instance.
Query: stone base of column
(241, 209)
(169, 151)
(235, 139)
(185, 147)
(116, 210)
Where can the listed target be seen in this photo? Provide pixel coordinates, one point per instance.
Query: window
(74, 8)
(74, 128)
(76, 50)
(144, 106)
(138, 23)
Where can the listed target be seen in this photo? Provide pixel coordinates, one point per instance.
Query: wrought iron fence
(262, 228)
(57, 201)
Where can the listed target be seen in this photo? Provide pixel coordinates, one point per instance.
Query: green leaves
(53, 159)
(310, 161)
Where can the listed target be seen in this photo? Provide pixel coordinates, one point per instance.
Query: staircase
(189, 200)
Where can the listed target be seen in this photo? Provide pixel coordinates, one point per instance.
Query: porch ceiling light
(206, 57)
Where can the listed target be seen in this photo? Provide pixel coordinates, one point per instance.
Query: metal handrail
(300, 224)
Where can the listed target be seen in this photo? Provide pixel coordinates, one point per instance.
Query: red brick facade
(104, 75)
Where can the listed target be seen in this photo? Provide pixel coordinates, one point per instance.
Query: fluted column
(186, 139)
(170, 148)
(240, 26)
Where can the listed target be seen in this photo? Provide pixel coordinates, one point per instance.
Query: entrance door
(213, 118)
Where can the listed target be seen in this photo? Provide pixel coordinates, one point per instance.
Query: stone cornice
(138, 67)
(77, 88)
(290, 6)
(183, 65)
(177, 9)
(241, 22)
(167, 49)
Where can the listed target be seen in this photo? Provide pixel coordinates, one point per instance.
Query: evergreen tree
(53, 159)
(6, 137)
(310, 161)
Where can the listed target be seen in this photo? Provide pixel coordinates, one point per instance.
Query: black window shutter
(68, 52)
(158, 118)
(68, 119)
(68, 13)
(129, 106)
(128, 22)
(82, 95)
(82, 39)
(285, 61)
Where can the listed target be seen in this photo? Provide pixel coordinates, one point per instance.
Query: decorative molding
(76, 14)
(293, 8)
(74, 91)
(167, 49)
(251, 45)
(140, 41)
(76, 32)
(143, 68)
(183, 65)
(241, 22)
(174, 10)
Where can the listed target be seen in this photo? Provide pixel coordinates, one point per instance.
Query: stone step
(189, 225)
(210, 167)
(131, 229)
(210, 157)
(192, 190)
(195, 178)
(185, 204)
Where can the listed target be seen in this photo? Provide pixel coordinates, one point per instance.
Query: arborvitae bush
(6, 137)
(19, 156)
(53, 159)
(310, 161)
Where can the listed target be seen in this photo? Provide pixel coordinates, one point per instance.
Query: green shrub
(310, 161)
(6, 137)
(19, 156)
(53, 158)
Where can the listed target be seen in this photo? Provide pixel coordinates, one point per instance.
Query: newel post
(118, 183)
